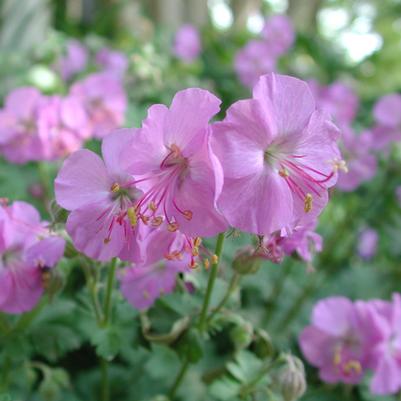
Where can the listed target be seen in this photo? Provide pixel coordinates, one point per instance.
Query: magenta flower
(279, 157)
(367, 243)
(386, 352)
(278, 33)
(104, 100)
(187, 43)
(112, 62)
(26, 252)
(62, 127)
(19, 141)
(173, 167)
(74, 60)
(335, 342)
(361, 164)
(100, 196)
(387, 111)
(252, 61)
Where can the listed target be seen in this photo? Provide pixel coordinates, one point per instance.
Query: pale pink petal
(316, 346)
(83, 179)
(387, 377)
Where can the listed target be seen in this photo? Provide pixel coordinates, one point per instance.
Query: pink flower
(386, 352)
(142, 284)
(112, 61)
(303, 240)
(279, 157)
(337, 99)
(19, 141)
(173, 167)
(387, 111)
(63, 126)
(278, 33)
(26, 251)
(361, 164)
(74, 60)
(367, 243)
(335, 342)
(252, 61)
(187, 43)
(104, 100)
(101, 198)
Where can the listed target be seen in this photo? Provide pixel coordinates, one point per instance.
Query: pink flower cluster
(265, 169)
(259, 56)
(342, 103)
(36, 127)
(347, 339)
(28, 250)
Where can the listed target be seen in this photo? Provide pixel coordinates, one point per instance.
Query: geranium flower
(187, 43)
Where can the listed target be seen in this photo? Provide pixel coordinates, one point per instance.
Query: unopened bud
(291, 378)
(246, 262)
(262, 344)
(241, 335)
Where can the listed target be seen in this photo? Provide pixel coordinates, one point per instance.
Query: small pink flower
(252, 61)
(172, 165)
(104, 100)
(361, 164)
(112, 62)
(278, 33)
(187, 43)
(100, 196)
(19, 141)
(279, 157)
(26, 251)
(335, 342)
(74, 60)
(63, 126)
(386, 352)
(387, 111)
(367, 243)
(337, 99)
(164, 257)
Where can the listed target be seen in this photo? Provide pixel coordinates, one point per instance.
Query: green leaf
(107, 342)
(225, 389)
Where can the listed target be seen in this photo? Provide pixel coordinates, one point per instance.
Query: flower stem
(178, 379)
(232, 286)
(210, 284)
(109, 292)
(105, 390)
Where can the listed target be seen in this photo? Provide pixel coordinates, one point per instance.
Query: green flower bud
(245, 262)
(291, 378)
(262, 345)
(241, 335)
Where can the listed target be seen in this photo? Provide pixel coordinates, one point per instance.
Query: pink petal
(387, 377)
(83, 179)
(316, 346)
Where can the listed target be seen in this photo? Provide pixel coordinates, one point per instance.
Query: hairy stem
(212, 278)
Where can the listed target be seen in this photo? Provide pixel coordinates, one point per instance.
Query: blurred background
(349, 52)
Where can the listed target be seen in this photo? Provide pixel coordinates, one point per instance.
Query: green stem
(109, 291)
(210, 284)
(178, 379)
(27, 318)
(4, 325)
(92, 290)
(232, 286)
(105, 390)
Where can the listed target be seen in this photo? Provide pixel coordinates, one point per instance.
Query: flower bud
(262, 345)
(291, 378)
(246, 262)
(241, 334)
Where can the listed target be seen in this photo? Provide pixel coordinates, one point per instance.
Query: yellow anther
(337, 357)
(115, 187)
(157, 221)
(197, 241)
(187, 214)
(106, 241)
(352, 366)
(215, 259)
(195, 251)
(152, 206)
(132, 217)
(144, 219)
(340, 165)
(146, 294)
(206, 263)
(308, 201)
(284, 172)
(193, 264)
(172, 227)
